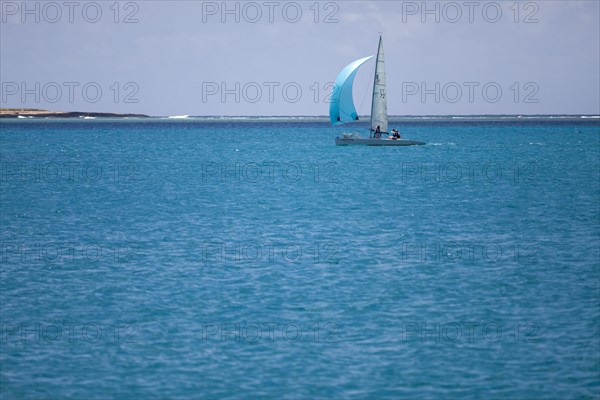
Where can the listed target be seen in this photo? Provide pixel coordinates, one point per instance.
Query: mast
(379, 103)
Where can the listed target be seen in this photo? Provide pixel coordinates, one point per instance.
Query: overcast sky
(177, 57)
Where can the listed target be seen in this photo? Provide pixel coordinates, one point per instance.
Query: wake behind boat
(342, 110)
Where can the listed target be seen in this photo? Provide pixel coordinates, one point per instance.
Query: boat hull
(377, 142)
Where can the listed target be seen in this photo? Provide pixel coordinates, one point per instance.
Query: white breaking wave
(178, 116)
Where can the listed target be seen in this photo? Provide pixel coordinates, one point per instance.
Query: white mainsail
(379, 104)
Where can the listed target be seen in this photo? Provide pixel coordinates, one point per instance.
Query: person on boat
(395, 134)
(377, 132)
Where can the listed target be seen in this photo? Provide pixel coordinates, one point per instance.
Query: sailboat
(342, 110)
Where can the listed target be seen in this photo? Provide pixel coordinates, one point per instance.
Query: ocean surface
(252, 258)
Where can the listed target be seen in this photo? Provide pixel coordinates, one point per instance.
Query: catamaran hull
(377, 142)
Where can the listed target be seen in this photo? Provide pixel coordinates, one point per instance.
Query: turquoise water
(255, 259)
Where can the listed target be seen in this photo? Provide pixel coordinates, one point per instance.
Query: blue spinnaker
(341, 108)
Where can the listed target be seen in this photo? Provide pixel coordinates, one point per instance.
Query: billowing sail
(379, 104)
(341, 108)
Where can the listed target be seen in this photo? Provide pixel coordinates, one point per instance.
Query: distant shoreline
(33, 112)
(14, 113)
